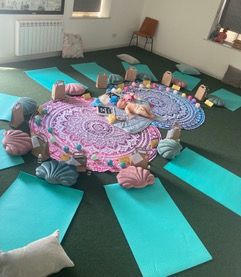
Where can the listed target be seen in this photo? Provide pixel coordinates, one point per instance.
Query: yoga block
(131, 74)
(201, 93)
(102, 81)
(167, 78)
(58, 90)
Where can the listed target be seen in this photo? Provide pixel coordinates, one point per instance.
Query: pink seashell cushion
(135, 177)
(74, 89)
(17, 142)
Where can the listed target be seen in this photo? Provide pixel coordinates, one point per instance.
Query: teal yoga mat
(6, 103)
(208, 177)
(46, 77)
(188, 79)
(7, 160)
(90, 70)
(161, 239)
(31, 209)
(141, 68)
(231, 101)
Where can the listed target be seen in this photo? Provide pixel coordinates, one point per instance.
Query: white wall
(96, 33)
(7, 35)
(108, 32)
(182, 32)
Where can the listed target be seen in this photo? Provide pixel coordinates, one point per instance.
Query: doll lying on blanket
(132, 108)
(140, 109)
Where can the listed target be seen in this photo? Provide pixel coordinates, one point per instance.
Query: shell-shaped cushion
(55, 172)
(135, 177)
(29, 106)
(74, 89)
(115, 79)
(17, 142)
(216, 100)
(169, 148)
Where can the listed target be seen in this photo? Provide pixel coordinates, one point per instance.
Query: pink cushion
(17, 142)
(74, 89)
(135, 177)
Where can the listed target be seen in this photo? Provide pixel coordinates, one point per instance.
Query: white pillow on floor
(128, 58)
(37, 259)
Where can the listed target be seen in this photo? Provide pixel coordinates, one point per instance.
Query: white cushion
(128, 58)
(37, 259)
(72, 47)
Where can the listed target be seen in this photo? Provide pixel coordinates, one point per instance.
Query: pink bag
(58, 91)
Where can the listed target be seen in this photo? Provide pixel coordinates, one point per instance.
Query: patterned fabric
(72, 47)
(171, 108)
(78, 123)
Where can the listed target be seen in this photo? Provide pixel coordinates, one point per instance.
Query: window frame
(231, 35)
(104, 12)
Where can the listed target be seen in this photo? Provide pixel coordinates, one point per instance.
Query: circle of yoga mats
(171, 108)
(77, 123)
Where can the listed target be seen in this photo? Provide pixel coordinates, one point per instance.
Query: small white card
(136, 158)
(35, 142)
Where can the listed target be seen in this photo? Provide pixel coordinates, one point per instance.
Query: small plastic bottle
(40, 159)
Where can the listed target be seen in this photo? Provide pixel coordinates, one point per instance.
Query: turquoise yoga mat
(141, 68)
(6, 103)
(208, 177)
(46, 77)
(31, 209)
(231, 101)
(161, 239)
(188, 79)
(7, 160)
(90, 70)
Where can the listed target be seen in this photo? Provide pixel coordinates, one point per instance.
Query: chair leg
(151, 44)
(137, 41)
(146, 42)
(131, 39)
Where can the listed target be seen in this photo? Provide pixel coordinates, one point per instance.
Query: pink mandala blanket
(77, 123)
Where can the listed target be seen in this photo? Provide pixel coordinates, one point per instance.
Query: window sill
(226, 45)
(89, 17)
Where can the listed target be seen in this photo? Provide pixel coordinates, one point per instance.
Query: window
(94, 8)
(228, 16)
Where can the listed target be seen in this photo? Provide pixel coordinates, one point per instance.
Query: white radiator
(38, 36)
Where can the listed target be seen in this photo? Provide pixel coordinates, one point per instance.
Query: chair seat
(147, 30)
(142, 34)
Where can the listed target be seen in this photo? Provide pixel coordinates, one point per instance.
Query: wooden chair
(147, 31)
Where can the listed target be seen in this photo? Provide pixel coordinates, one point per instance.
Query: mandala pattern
(170, 108)
(74, 123)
